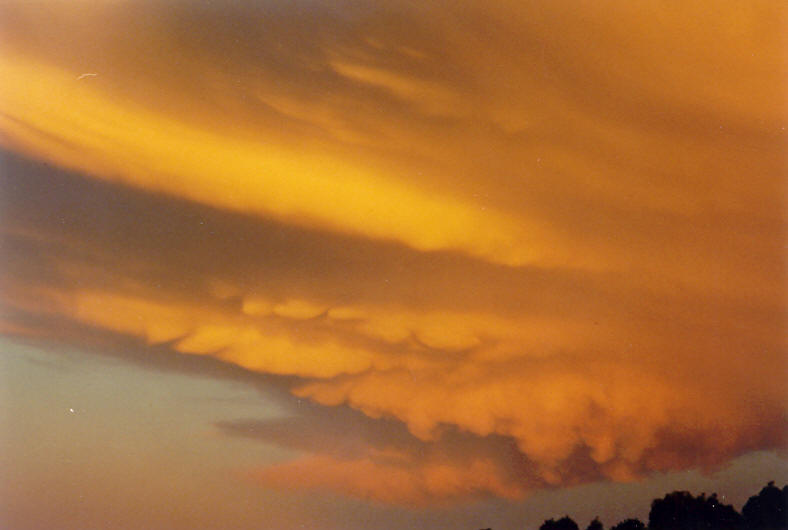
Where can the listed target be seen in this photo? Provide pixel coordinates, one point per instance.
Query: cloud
(157, 153)
(369, 478)
(380, 461)
(619, 414)
(583, 388)
(496, 222)
(434, 99)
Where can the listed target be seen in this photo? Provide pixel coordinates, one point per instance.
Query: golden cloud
(560, 228)
(389, 482)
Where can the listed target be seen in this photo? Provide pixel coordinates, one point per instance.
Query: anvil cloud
(534, 244)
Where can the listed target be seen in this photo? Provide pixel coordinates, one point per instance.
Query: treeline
(680, 510)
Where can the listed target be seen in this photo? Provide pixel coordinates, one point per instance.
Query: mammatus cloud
(573, 411)
(498, 224)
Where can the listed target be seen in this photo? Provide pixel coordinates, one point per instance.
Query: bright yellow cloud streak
(84, 129)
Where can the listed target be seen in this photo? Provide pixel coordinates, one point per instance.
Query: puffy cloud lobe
(618, 414)
(479, 224)
(572, 417)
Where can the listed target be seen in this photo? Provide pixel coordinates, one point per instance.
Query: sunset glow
(432, 264)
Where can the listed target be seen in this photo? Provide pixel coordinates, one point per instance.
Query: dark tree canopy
(596, 524)
(564, 523)
(680, 510)
(630, 524)
(768, 510)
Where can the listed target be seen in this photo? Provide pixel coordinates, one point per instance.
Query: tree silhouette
(596, 524)
(680, 510)
(768, 510)
(564, 523)
(630, 524)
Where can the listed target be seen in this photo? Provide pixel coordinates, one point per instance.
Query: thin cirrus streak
(533, 249)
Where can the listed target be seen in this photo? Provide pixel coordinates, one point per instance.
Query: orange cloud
(620, 414)
(558, 227)
(158, 153)
(611, 413)
(383, 479)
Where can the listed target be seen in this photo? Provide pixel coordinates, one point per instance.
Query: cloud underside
(520, 256)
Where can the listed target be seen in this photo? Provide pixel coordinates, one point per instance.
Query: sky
(354, 264)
